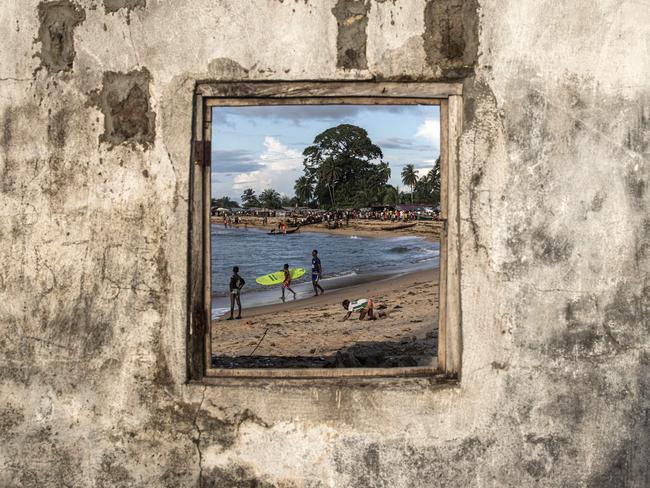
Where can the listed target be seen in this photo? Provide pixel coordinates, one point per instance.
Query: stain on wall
(124, 101)
(111, 6)
(451, 36)
(56, 33)
(352, 21)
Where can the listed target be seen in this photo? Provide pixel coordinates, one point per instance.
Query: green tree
(342, 162)
(427, 189)
(249, 199)
(286, 201)
(410, 178)
(330, 171)
(434, 181)
(390, 195)
(224, 202)
(270, 198)
(304, 190)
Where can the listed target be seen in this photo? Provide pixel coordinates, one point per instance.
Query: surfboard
(277, 278)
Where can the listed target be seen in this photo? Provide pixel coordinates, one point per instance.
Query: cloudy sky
(261, 147)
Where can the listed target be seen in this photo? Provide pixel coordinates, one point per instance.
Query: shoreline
(337, 295)
(429, 229)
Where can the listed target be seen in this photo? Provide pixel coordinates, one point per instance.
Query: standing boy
(286, 284)
(236, 284)
(316, 272)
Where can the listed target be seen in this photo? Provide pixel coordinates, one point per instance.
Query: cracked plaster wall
(555, 231)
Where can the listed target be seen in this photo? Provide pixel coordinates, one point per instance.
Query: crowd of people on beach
(305, 216)
(229, 221)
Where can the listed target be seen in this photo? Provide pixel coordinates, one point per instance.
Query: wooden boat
(275, 232)
(401, 226)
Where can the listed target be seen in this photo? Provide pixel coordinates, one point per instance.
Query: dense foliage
(223, 202)
(249, 199)
(344, 168)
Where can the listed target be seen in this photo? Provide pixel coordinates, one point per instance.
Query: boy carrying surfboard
(236, 284)
(286, 284)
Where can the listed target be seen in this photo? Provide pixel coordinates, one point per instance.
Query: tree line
(344, 168)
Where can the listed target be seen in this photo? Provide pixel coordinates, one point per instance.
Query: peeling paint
(125, 102)
(56, 33)
(352, 20)
(451, 36)
(111, 6)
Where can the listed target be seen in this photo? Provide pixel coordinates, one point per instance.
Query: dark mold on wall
(550, 249)
(124, 100)
(111, 6)
(237, 476)
(57, 128)
(352, 20)
(56, 33)
(451, 36)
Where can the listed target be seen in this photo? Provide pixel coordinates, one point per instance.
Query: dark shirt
(236, 282)
(315, 265)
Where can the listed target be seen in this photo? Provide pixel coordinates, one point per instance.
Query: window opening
(363, 182)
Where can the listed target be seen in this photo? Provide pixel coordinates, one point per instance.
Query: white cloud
(430, 130)
(253, 179)
(425, 166)
(280, 166)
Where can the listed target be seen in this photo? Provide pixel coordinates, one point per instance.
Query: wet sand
(309, 333)
(429, 229)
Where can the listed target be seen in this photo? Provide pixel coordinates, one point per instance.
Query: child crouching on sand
(362, 306)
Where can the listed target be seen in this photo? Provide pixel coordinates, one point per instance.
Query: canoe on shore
(398, 227)
(275, 232)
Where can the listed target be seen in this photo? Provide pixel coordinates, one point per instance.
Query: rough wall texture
(554, 198)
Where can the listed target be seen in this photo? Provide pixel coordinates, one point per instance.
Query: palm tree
(383, 171)
(249, 199)
(330, 171)
(410, 178)
(390, 195)
(270, 198)
(304, 190)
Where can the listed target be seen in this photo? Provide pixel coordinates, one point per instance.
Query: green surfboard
(277, 278)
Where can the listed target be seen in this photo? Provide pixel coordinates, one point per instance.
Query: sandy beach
(360, 227)
(309, 333)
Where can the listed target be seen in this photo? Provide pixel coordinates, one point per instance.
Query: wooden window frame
(211, 94)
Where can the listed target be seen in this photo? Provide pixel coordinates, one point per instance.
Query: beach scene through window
(325, 236)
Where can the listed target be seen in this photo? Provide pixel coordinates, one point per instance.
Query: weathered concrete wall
(95, 114)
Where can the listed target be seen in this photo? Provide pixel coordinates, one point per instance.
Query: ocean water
(345, 260)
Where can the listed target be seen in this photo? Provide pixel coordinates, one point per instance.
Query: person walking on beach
(286, 284)
(236, 284)
(362, 306)
(316, 272)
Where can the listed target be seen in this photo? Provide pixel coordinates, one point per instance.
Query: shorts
(315, 278)
(286, 285)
